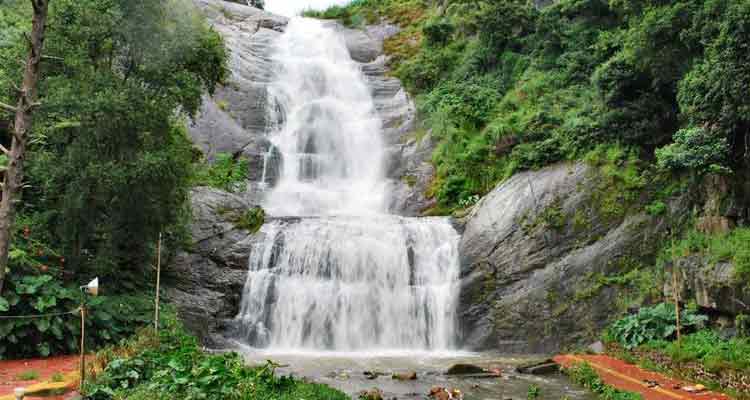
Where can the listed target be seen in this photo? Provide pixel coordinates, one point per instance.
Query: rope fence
(72, 312)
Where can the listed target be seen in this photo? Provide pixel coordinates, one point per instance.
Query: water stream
(342, 275)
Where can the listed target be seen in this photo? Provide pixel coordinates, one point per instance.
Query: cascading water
(337, 272)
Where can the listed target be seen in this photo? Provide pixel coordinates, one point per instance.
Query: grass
(29, 375)
(586, 376)
(57, 377)
(709, 349)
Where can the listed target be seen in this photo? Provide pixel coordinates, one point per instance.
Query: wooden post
(83, 342)
(158, 283)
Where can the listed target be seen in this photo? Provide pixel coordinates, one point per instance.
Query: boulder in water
(465, 369)
(405, 376)
(539, 368)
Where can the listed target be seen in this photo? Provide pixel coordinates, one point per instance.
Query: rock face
(710, 285)
(529, 257)
(205, 283)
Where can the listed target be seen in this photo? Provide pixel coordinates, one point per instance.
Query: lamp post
(92, 288)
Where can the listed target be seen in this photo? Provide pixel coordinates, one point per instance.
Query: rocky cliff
(533, 256)
(205, 282)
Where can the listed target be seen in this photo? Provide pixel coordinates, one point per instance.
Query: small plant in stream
(533, 393)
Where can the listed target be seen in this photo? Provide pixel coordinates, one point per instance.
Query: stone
(205, 283)
(539, 368)
(405, 376)
(596, 347)
(711, 285)
(464, 369)
(523, 280)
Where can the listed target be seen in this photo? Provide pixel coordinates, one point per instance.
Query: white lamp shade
(93, 287)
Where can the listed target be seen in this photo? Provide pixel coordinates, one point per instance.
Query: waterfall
(332, 270)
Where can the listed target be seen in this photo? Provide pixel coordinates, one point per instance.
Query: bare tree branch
(4, 150)
(8, 108)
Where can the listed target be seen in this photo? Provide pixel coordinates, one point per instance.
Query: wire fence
(59, 314)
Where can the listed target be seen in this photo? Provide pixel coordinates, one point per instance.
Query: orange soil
(10, 370)
(631, 378)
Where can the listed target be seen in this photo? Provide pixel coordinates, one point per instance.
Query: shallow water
(345, 371)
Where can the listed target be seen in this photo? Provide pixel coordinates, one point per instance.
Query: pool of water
(345, 371)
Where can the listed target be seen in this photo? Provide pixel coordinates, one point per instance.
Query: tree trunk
(13, 183)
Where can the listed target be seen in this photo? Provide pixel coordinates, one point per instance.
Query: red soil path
(631, 378)
(10, 370)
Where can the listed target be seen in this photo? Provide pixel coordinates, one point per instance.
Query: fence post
(158, 283)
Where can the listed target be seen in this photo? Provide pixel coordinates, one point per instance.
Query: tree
(257, 4)
(14, 174)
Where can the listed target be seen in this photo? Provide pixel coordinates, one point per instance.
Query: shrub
(437, 32)
(225, 172)
(695, 149)
(652, 323)
(172, 365)
(252, 220)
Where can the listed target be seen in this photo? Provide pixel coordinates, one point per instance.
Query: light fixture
(92, 287)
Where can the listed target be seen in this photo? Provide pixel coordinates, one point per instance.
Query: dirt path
(651, 385)
(63, 370)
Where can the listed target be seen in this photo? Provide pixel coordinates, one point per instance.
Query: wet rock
(522, 272)
(464, 369)
(373, 374)
(441, 393)
(205, 283)
(539, 368)
(405, 376)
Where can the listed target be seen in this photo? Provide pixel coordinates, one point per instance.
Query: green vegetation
(109, 165)
(533, 392)
(658, 322)
(505, 86)
(57, 377)
(586, 376)
(225, 172)
(252, 219)
(731, 247)
(709, 349)
(171, 365)
(29, 375)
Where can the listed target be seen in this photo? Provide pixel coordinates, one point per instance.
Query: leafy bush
(437, 32)
(652, 323)
(225, 173)
(109, 318)
(695, 149)
(585, 375)
(172, 365)
(41, 282)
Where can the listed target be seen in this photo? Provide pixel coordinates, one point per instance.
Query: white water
(329, 133)
(341, 275)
